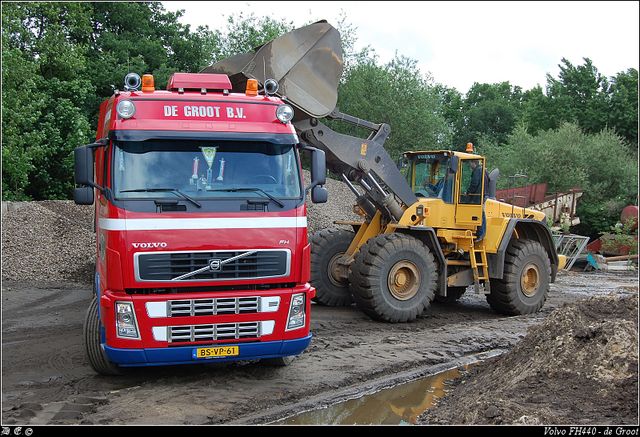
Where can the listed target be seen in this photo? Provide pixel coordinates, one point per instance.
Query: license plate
(213, 352)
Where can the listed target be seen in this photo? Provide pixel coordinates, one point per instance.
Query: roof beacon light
(252, 87)
(147, 83)
(470, 147)
(284, 113)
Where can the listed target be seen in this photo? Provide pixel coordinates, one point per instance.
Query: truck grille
(167, 266)
(213, 307)
(221, 331)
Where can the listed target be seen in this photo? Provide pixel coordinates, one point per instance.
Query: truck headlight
(126, 109)
(296, 312)
(126, 326)
(284, 113)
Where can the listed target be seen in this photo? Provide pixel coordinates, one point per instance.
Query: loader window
(471, 182)
(205, 169)
(430, 177)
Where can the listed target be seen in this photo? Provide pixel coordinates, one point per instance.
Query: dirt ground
(576, 361)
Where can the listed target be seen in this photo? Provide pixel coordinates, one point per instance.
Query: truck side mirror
(83, 196)
(319, 195)
(318, 174)
(83, 165)
(83, 174)
(318, 167)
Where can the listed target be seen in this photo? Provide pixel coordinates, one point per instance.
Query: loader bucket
(306, 62)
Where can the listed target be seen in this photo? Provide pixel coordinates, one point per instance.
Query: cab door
(469, 192)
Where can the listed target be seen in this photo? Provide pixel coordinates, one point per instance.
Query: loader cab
(447, 176)
(431, 175)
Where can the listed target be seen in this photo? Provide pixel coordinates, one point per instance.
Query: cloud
(465, 42)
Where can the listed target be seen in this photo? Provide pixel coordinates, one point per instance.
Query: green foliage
(488, 111)
(623, 105)
(396, 93)
(567, 157)
(245, 34)
(582, 95)
(61, 60)
(42, 95)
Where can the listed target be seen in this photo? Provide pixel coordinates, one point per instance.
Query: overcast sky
(460, 43)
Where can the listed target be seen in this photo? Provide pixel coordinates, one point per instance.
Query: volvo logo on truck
(215, 264)
(154, 245)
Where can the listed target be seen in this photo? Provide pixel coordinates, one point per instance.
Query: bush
(600, 164)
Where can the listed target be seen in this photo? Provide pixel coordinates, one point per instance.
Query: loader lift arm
(307, 65)
(362, 160)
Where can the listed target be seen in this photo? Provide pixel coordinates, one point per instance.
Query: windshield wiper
(275, 199)
(152, 190)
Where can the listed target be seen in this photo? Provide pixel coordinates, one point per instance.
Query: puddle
(399, 405)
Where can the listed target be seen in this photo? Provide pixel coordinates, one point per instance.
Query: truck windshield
(430, 177)
(205, 169)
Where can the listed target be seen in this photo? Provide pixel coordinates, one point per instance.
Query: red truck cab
(200, 224)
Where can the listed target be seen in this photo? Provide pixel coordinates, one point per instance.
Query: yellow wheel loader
(418, 239)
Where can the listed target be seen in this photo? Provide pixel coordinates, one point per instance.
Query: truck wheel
(91, 331)
(525, 283)
(393, 278)
(327, 247)
(278, 361)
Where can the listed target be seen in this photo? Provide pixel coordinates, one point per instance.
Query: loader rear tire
(92, 334)
(525, 283)
(327, 247)
(393, 278)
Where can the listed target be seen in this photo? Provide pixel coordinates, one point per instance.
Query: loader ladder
(480, 267)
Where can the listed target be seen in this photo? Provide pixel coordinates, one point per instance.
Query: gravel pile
(48, 241)
(54, 240)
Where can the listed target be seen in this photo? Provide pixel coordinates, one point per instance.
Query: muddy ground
(566, 364)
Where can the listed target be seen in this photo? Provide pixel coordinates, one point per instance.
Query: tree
(490, 111)
(623, 105)
(245, 34)
(396, 93)
(568, 157)
(582, 95)
(43, 90)
(140, 37)
(60, 61)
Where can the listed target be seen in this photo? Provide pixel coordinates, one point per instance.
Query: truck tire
(327, 246)
(91, 331)
(393, 278)
(277, 361)
(525, 283)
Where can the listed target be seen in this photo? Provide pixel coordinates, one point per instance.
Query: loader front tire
(327, 247)
(393, 278)
(525, 283)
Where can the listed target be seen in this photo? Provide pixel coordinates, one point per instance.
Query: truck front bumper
(185, 354)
